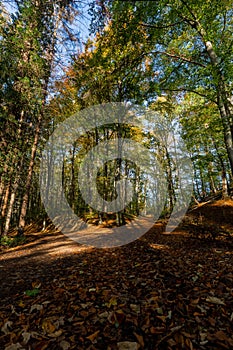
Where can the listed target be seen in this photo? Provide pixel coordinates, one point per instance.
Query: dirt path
(33, 258)
(42, 251)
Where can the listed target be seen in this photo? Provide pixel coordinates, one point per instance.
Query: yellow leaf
(21, 304)
(162, 318)
(93, 336)
(112, 302)
(36, 285)
(48, 327)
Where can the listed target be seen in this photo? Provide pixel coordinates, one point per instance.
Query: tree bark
(4, 206)
(12, 198)
(224, 103)
(29, 174)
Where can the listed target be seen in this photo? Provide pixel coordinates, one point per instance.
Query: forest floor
(162, 291)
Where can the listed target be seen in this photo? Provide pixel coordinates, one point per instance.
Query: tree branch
(159, 27)
(185, 59)
(193, 91)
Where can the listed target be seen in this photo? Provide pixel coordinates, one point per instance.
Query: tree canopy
(173, 57)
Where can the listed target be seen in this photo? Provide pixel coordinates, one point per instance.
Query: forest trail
(113, 106)
(162, 291)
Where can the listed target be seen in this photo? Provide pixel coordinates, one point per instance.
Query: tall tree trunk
(224, 184)
(7, 210)
(4, 206)
(2, 181)
(203, 188)
(224, 173)
(119, 215)
(72, 187)
(196, 183)
(228, 137)
(49, 53)
(29, 174)
(223, 101)
(12, 197)
(171, 191)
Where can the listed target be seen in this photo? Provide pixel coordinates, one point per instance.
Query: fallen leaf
(36, 285)
(220, 335)
(6, 327)
(214, 300)
(140, 340)
(36, 307)
(212, 321)
(14, 311)
(48, 327)
(127, 345)
(21, 304)
(159, 310)
(112, 302)
(188, 344)
(64, 345)
(26, 337)
(41, 345)
(162, 318)
(55, 334)
(93, 336)
(16, 346)
(135, 308)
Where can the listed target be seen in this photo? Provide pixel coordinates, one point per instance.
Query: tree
(203, 132)
(189, 45)
(28, 46)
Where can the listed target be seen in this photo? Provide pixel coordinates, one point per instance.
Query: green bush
(10, 242)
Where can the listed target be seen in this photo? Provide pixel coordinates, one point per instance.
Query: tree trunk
(224, 185)
(171, 191)
(14, 160)
(72, 187)
(29, 174)
(2, 181)
(4, 206)
(12, 198)
(224, 103)
(228, 137)
(224, 173)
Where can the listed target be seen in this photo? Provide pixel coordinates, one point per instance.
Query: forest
(116, 174)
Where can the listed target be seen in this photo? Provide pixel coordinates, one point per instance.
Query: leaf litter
(163, 291)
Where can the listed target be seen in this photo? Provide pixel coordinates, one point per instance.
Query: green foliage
(184, 46)
(11, 242)
(203, 132)
(28, 42)
(154, 53)
(175, 36)
(32, 293)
